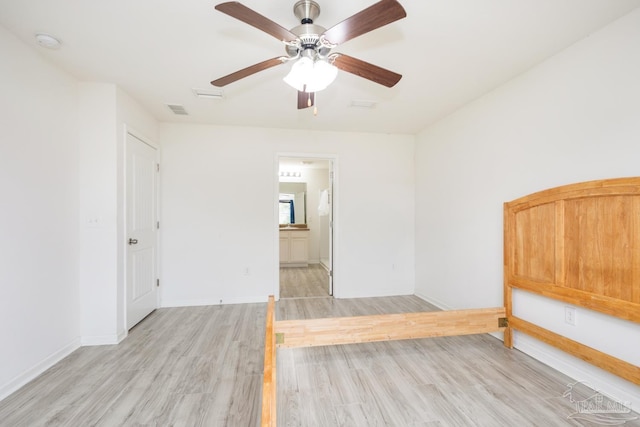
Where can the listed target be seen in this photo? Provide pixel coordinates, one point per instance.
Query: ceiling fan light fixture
(324, 73)
(309, 76)
(300, 73)
(311, 44)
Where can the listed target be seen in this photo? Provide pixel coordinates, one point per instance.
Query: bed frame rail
(602, 360)
(362, 329)
(269, 418)
(387, 327)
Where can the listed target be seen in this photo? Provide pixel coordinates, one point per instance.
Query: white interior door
(141, 187)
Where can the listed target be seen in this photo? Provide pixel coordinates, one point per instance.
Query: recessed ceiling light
(208, 94)
(362, 103)
(48, 41)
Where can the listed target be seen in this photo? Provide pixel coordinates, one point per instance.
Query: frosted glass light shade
(309, 76)
(323, 75)
(300, 73)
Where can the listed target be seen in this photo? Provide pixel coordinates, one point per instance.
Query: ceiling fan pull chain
(315, 104)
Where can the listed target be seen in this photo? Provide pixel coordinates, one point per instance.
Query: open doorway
(305, 221)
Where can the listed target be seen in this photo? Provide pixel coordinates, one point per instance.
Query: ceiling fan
(309, 46)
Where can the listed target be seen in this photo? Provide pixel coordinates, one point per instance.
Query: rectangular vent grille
(362, 103)
(208, 94)
(178, 109)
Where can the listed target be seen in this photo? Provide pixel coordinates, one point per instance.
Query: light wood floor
(446, 381)
(304, 282)
(201, 366)
(195, 366)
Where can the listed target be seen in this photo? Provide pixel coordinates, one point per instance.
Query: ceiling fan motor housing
(306, 10)
(308, 33)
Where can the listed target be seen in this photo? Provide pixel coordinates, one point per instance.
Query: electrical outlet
(570, 315)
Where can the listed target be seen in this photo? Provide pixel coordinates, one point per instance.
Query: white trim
(602, 381)
(142, 137)
(91, 340)
(31, 373)
(212, 301)
(389, 293)
(433, 301)
(122, 335)
(276, 221)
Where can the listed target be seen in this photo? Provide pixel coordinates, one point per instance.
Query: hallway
(304, 282)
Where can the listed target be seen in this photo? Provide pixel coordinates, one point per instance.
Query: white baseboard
(39, 368)
(602, 381)
(371, 295)
(122, 335)
(211, 301)
(433, 301)
(100, 340)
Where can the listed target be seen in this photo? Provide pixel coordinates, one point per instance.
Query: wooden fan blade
(253, 18)
(306, 99)
(369, 19)
(366, 70)
(245, 72)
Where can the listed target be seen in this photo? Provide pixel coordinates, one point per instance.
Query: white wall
(573, 118)
(39, 311)
(97, 279)
(106, 114)
(210, 236)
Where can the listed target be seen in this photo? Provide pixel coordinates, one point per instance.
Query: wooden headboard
(579, 244)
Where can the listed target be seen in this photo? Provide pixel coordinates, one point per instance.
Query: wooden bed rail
(269, 418)
(361, 329)
(387, 327)
(595, 357)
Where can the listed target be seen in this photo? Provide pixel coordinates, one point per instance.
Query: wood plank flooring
(304, 282)
(446, 381)
(202, 366)
(195, 366)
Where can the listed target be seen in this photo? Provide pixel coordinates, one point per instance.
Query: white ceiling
(449, 52)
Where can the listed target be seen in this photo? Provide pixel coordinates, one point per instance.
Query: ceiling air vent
(207, 94)
(178, 109)
(362, 103)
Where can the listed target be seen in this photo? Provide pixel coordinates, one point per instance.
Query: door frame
(123, 232)
(334, 240)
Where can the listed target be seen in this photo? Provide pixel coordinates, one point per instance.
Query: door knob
(133, 241)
